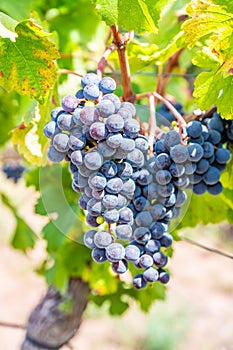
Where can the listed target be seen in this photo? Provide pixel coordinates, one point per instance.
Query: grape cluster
(209, 157)
(14, 172)
(134, 191)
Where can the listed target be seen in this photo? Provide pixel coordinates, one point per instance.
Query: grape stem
(152, 121)
(180, 120)
(102, 61)
(67, 71)
(120, 41)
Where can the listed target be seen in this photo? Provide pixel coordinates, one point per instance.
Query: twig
(212, 250)
(120, 42)
(177, 115)
(12, 325)
(103, 59)
(67, 71)
(152, 122)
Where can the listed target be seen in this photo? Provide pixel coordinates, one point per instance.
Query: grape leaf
(26, 140)
(27, 65)
(207, 19)
(142, 15)
(24, 237)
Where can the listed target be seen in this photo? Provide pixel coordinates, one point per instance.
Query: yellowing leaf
(27, 65)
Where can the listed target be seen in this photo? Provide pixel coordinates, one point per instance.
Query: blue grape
(163, 277)
(50, 129)
(120, 267)
(114, 123)
(115, 252)
(79, 94)
(127, 145)
(177, 170)
(157, 230)
(132, 252)
(136, 158)
(98, 255)
(160, 259)
(107, 85)
(98, 131)
(216, 189)
(114, 139)
(91, 92)
(152, 246)
(89, 239)
(54, 155)
(222, 155)
(144, 177)
(105, 149)
(88, 115)
(93, 160)
(69, 103)
(179, 154)
(60, 142)
(110, 201)
(114, 99)
(145, 261)
(125, 170)
(212, 176)
(125, 215)
(166, 240)
(90, 78)
(97, 181)
(199, 188)
(109, 169)
(214, 137)
(65, 121)
(129, 106)
(124, 231)
(105, 108)
(171, 139)
(194, 128)
(111, 216)
(139, 282)
(202, 166)
(142, 234)
(144, 218)
(163, 161)
(150, 274)
(163, 177)
(141, 203)
(92, 220)
(208, 149)
(77, 157)
(131, 128)
(114, 185)
(141, 143)
(102, 239)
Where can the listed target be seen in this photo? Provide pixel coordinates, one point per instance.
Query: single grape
(215, 189)
(141, 143)
(69, 103)
(50, 129)
(89, 239)
(136, 158)
(152, 246)
(124, 231)
(98, 131)
(157, 230)
(102, 239)
(132, 253)
(111, 216)
(163, 277)
(194, 128)
(179, 154)
(160, 259)
(90, 78)
(145, 261)
(139, 282)
(120, 267)
(114, 123)
(88, 115)
(124, 170)
(97, 181)
(107, 85)
(60, 142)
(114, 99)
(199, 188)
(144, 218)
(114, 185)
(76, 157)
(166, 240)
(114, 139)
(93, 160)
(142, 234)
(222, 155)
(110, 201)
(115, 252)
(131, 127)
(163, 161)
(106, 150)
(150, 274)
(125, 215)
(98, 255)
(211, 177)
(171, 139)
(141, 203)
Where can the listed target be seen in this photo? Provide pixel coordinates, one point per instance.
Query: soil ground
(197, 314)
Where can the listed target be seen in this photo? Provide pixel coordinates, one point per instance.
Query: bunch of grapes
(14, 172)
(131, 192)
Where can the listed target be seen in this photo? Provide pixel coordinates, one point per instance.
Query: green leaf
(142, 15)
(205, 209)
(24, 237)
(27, 65)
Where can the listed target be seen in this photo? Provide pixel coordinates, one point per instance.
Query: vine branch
(103, 59)
(120, 42)
(212, 250)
